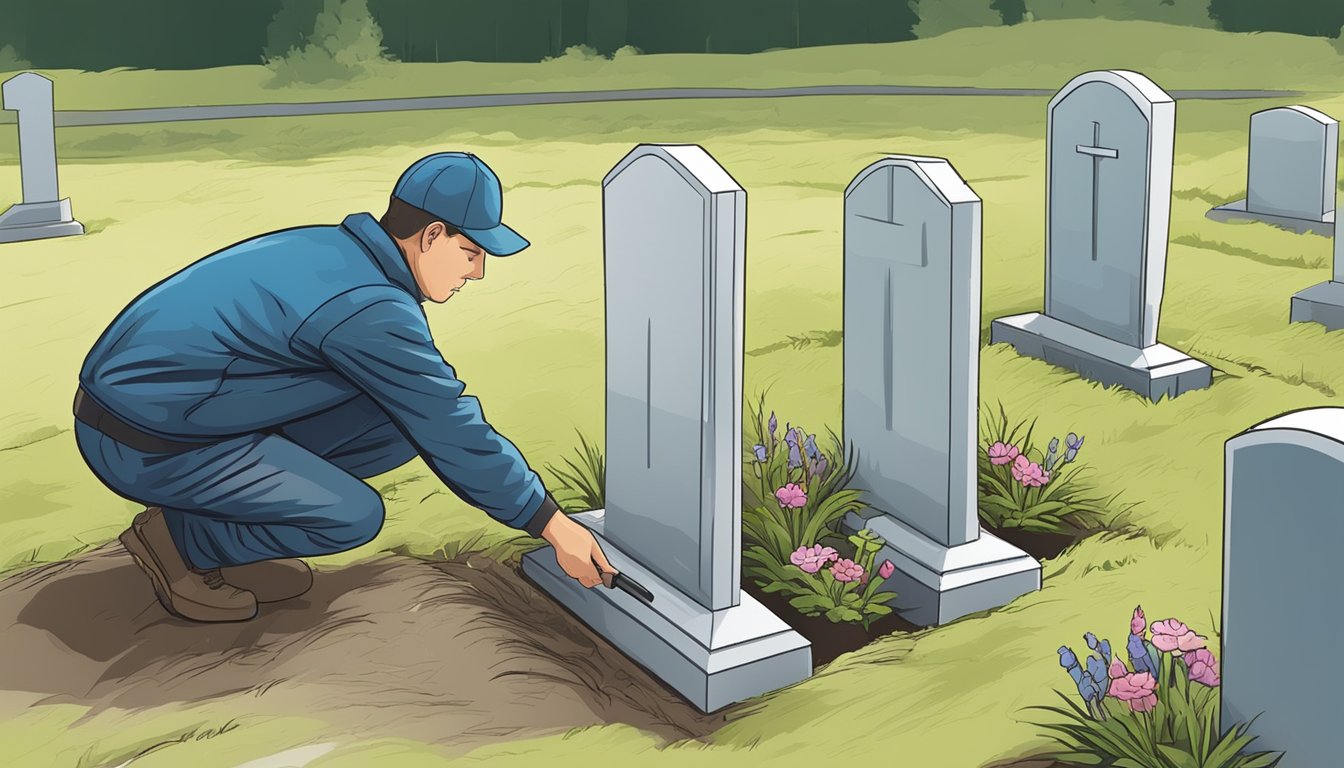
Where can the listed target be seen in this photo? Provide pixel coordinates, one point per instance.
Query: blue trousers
(293, 493)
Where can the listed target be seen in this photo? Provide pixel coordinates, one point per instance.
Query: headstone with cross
(1291, 168)
(1109, 146)
(43, 212)
(674, 240)
(911, 388)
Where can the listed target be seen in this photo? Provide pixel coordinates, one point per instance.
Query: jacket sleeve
(386, 350)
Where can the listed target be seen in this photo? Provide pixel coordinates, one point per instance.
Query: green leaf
(841, 614)
(812, 604)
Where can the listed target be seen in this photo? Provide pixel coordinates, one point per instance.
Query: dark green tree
(939, 16)
(1322, 18)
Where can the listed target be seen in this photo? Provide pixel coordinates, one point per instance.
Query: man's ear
(431, 234)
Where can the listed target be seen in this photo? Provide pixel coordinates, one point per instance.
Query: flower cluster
(1139, 685)
(1029, 473)
(822, 582)
(803, 454)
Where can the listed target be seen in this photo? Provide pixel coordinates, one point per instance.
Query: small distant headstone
(1291, 169)
(674, 236)
(43, 212)
(1283, 524)
(911, 388)
(1108, 164)
(1324, 302)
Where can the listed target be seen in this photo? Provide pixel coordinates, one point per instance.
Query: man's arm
(386, 350)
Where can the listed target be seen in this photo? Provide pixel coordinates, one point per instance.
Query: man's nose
(479, 272)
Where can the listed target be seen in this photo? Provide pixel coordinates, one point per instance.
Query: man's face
(445, 263)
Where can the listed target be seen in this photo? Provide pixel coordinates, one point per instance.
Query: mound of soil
(458, 653)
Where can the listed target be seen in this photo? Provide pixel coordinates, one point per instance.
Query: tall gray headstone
(1108, 194)
(1284, 521)
(674, 238)
(1292, 164)
(1324, 302)
(43, 212)
(911, 387)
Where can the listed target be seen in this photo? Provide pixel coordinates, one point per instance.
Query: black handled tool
(626, 584)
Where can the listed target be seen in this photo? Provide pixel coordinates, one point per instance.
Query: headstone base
(35, 221)
(1322, 303)
(1154, 372)
(936, 584)
(711, 658)
(1324, 226)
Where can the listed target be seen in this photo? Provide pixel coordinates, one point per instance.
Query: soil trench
(457, 653)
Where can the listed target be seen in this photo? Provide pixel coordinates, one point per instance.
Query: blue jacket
(291, 323)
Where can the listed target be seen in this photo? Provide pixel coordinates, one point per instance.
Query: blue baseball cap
(460, 189)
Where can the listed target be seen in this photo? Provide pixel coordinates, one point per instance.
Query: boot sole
(144, 558)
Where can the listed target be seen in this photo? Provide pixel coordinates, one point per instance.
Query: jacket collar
(380, 245)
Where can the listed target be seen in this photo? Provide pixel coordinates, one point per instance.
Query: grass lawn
(528, 341)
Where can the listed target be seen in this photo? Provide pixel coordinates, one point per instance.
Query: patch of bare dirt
(458, 653)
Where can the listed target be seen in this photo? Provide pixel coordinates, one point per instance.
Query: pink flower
(847, 570)
(999, 453)
(1138, 689)
(1137, 623)
(1203, 667)
(1029, 473)
(886, 569)
(791, 496)
(1171, 635)
(812, 559)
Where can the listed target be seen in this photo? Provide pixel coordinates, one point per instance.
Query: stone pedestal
(35, 221)
(1155, 372)
(713, 658)
(1321, 303)
(936, 584)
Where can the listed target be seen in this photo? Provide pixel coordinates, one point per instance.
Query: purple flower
(810, 446)
(1096, 669)
(795, 459)
(759, 450)
(1066, 658)
(821, 468)
(1073, 443)
(773, 423)
(1139, 658)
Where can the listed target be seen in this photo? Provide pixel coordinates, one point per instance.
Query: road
(65, 118)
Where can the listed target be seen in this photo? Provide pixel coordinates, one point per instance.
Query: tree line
(177, 34)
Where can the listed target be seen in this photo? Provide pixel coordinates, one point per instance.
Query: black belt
(91, 413)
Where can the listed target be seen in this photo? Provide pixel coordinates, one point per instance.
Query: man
(243, 398)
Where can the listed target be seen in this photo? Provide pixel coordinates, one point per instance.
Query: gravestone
(674, 239)
(911, 388)
(43, 212)
(1291, 170)
(1324, 302)
(1109, 145)
(1283, 524)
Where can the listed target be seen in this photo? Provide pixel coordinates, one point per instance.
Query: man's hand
(576, 550)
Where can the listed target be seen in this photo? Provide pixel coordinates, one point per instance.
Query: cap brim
(497, 241)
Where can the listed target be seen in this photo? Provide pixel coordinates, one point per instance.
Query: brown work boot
(270, 580)
(199, 595)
